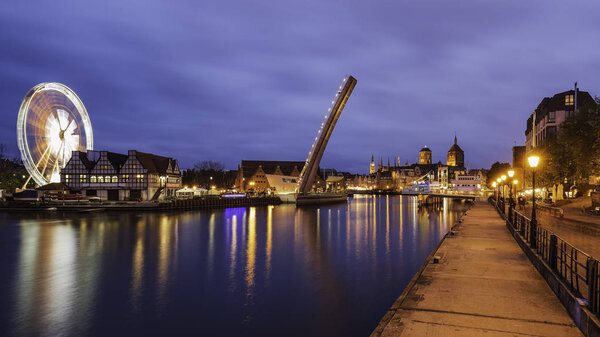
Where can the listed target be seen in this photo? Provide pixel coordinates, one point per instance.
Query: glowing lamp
(494, 184)
(533, 161)
(515, 181)
(511, 173)
(503, 177)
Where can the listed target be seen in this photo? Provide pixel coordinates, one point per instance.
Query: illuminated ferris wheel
(52, 123)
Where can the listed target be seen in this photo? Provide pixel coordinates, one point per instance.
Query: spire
(372, 159)
(454, 137)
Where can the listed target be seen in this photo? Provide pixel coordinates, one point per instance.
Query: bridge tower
(311, 166)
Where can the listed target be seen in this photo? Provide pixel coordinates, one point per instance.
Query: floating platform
(320, 198)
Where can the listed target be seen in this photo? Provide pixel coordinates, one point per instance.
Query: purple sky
(233, 80)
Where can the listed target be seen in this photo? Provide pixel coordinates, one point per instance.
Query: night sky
(232, 80)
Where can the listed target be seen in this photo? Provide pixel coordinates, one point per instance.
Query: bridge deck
(483, 285)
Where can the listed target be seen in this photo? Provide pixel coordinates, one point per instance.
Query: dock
(478, 281)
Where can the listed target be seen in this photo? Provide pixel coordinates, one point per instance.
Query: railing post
(522, 228)
(552, 251)
(592, 269)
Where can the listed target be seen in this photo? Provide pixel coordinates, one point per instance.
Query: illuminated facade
(551, 112)
(117, 177)
(456, 156)
(425, 156)
(252, 174)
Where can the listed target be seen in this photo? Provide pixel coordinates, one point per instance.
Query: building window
(132, 166)
(115, 179)
(100, 179)
(93, 179)
(139, 178)
(125, 178)
(67, 178)
(568, 99)
(82, 178)
(551, 116)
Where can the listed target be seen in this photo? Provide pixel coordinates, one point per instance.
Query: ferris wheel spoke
(70, 128)
(42, 157)
(63, 119)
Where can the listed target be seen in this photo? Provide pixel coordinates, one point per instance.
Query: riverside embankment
(482, 283)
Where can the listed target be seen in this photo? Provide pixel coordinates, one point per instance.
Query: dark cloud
(252, 79)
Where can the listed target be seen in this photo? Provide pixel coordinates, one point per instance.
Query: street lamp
(533, 163)
(511, 174)
(495, 191)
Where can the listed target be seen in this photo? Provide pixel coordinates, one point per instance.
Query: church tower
(425, 156)
(456, 156)
(372, 168)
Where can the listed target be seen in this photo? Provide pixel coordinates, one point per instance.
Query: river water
(278, 270)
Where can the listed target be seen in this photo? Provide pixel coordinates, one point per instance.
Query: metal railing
(576, 268)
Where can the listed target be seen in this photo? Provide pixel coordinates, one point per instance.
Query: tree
(496, 171)
(209, 165)
(572, 153)
(12, 172)
(207, 174)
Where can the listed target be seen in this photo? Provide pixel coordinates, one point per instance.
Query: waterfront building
(551, 112)
(115, 176)
(398, 177)
(456, 156)
(425, 156)
(252, 174)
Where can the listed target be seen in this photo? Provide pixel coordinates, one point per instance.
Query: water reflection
(331, 270)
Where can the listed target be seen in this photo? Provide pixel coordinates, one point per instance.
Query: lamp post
(533, 163)
(511, 174)
(503, 177)
(499, 180)
(495, 191)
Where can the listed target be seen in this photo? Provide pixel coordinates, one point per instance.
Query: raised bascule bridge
(305, 194)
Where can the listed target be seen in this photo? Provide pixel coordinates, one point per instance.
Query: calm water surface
(278, 270)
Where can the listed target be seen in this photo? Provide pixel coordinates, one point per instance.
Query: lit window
(115, 179)
(93, 179)
(67, 178)
(568, 99)
(125, 178)
(100, 179)
(82, 178)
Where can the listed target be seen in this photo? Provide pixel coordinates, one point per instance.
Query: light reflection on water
(332, 270)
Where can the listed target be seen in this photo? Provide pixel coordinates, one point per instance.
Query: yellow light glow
(503, 177)
(533, 161)
(499, 180)
(511, 173)
(213, 187)
(494, 184)
(251, 183)
(515, 181)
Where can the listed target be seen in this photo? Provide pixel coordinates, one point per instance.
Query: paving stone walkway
(483, 285)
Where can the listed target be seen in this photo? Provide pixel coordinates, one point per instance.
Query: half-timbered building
(114, 176)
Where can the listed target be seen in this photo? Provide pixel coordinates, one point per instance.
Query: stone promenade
(483, 285)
